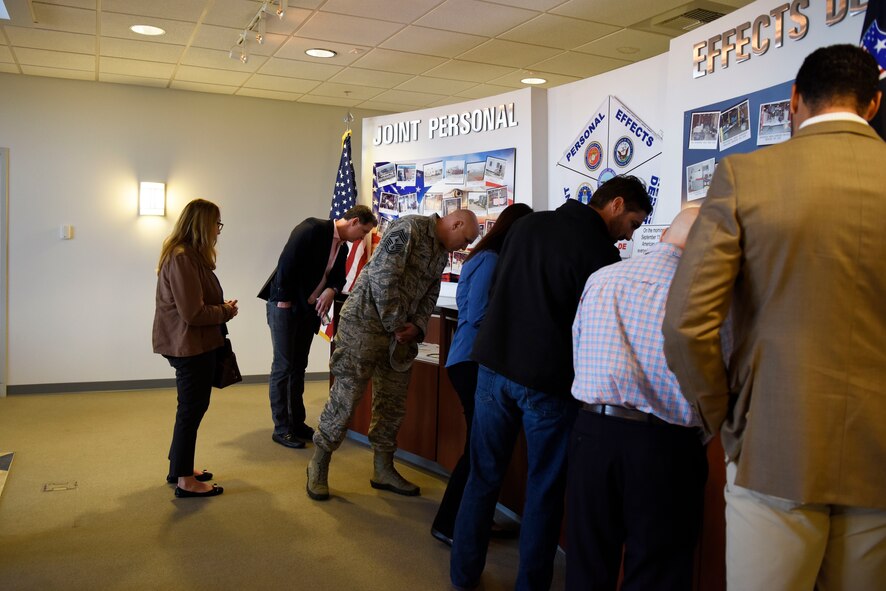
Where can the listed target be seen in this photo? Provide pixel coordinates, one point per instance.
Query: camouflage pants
(359, 357)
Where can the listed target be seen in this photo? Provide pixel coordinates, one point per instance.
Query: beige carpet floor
(121, 527)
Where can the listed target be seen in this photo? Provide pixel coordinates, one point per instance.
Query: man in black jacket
(310, 272)
(524, 348)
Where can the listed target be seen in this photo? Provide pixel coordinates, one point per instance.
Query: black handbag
(226, 370)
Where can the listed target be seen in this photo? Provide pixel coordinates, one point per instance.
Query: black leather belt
(623, 413)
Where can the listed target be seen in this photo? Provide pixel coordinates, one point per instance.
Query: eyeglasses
(220, 226)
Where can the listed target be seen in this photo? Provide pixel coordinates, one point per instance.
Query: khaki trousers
(775, 544)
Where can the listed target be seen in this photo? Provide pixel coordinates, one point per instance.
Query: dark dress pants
(464, 379)
(636, 486)
(292, 333)
(193, 381)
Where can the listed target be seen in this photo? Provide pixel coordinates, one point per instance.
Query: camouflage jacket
(401, 281)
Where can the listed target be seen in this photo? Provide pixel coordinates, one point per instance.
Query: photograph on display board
(494, 173)
(408, 204)
(735, 125)
(704, 131)
(489, 224)
(477, 202)
(698, 178)
(386, 174)
(433, 172)
(497, 199)
(457, 261)
(432, 203)
(451, 204)
(775, 123)
(454, 171)
(383, 223)
(474, 174)
(389, 203)
(406, 174)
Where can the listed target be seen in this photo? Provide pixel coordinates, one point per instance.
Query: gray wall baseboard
(116, 386)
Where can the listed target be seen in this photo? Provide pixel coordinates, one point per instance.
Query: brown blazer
(793, 237)
(189, 307)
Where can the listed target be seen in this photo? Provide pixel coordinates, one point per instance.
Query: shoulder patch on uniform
(395, 242)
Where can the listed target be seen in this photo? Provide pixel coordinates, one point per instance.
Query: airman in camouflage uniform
(379, 328)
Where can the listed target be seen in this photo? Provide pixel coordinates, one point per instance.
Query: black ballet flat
(213, 492)
(204, 477)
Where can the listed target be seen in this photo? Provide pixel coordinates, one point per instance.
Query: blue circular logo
(623, 151)
(583, 193)
(607, 174)
(594, 156)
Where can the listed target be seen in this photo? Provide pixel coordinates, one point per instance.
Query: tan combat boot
(386, 476)
(318, 473)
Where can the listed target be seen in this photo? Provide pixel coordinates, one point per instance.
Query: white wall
(82, 310)
(777, 65)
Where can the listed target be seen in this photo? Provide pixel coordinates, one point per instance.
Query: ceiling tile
(183, 10)
(202, 87)
(531, 4)
(435, 85)
(328, 100)
(432, 41)
(55, 59)
(140, 50)
(370, 78)
(278, 83)
(558, 31)
(212, 58)
(449, 100)
(137, 80)
(405, 97)
(621, 13)
(513, 79)
(577, 64)
(88, 4)
(348, 29)
(298, 69)
(54, 40)
(113, 65)
(346, 91)
(398, 61)
(386, 107)
(268, 94)
(295, 48)
(205, 75)
(9, 68)
(648, 44)
(484, 90)
(58, 73)
(60, 18)
(239, 13)
(473, 16)
(508, 53)
(393, 10)
(212, 37)
(6, 55)
(468, 71)
(117, 25)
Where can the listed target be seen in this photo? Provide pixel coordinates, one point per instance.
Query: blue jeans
(502, 406)
(292, 333)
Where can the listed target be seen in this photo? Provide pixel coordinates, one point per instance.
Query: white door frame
(4, 269)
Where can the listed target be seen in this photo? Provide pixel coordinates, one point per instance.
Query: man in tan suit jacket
(792, 238)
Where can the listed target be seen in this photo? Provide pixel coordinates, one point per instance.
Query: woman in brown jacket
(189, 325)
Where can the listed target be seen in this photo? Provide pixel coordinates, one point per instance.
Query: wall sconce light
(152, 199)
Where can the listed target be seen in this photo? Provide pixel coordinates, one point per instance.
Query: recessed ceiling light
(533, 80)
(317, 52)
(147, 30)
(627, 50)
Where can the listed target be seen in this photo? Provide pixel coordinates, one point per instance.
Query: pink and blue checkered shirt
(617, 344)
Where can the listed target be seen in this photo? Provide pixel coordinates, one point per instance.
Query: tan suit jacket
(793, 237)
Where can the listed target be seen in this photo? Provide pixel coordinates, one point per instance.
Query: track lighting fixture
(256, 29)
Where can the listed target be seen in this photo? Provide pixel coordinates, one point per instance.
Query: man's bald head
(679, 230)
(458, 229)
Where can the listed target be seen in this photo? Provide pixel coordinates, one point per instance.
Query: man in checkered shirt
(637, 465)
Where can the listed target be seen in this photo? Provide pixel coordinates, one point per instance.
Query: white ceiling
(393, 55)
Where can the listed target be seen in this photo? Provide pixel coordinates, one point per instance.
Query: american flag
(873, 39)
(344, 197)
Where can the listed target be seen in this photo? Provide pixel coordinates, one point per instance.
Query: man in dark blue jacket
(524, 349)
(310, 272)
